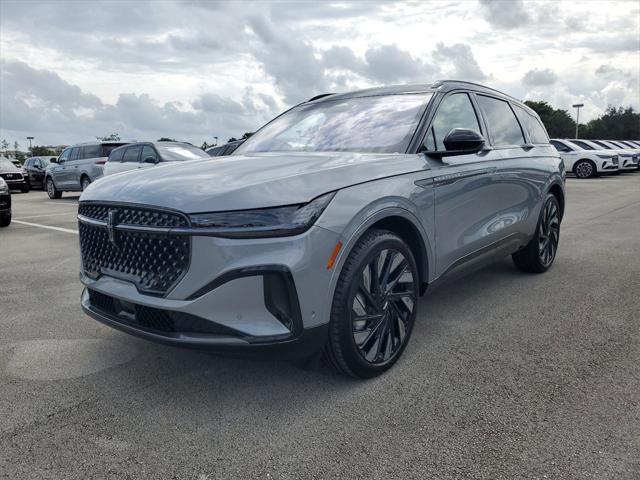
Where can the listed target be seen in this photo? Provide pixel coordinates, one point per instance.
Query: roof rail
(322, 95)
(439, 83)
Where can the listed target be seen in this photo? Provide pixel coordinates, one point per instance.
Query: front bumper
(252, 295)
(628, 164)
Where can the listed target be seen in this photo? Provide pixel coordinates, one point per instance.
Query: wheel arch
(404, 224)
(557, 191)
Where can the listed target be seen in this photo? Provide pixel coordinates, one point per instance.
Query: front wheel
(584, 169)
(52, 191)
(374, 306)
(540, 252)
(25, 188)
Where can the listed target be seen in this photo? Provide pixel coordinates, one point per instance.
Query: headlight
(4, 188)
(263, 222)
(607, 157)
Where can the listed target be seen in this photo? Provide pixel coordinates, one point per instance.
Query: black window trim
(153, 147)
(489, 135)
(436, 108)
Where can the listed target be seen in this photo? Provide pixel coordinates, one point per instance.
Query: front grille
(154, 262)
(614, 160)
(11, 176)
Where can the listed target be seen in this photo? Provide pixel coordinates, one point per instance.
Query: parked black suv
(36, 167)
(13, 176)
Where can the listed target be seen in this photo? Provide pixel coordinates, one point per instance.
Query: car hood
(10, 170)
(248, 181)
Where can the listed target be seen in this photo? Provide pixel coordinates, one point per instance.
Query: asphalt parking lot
(507, 375)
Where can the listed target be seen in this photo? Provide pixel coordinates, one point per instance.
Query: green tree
(4, 145)
(114, 137)
(37, 151)
(232, 139)
(166, 139)
(616, 123)
(558, 123)
(16, 145)
(246, 135)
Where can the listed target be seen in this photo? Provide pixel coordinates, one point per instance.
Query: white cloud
(196, 69)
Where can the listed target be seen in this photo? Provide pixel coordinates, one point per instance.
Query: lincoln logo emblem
(111, 223)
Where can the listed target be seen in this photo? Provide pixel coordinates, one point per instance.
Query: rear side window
(584, 145)
(116, 155)
(561, 147)
(92, 151)
(455, 111)
(133, 153)
(603, 145)
(503, 123)
(535, 130)
(109, 147)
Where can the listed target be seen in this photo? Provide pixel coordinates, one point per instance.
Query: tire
(540, 252)
(52, 191)
(366, 347)
(5, 219)
(84, 182)
(26, 188)
(585, 169)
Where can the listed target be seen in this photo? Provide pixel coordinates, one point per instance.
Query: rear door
(523, 164)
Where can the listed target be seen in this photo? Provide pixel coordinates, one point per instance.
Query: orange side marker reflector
(334, 254)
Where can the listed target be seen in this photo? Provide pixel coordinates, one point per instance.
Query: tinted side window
(92, 151)
(603, 145)
(116, 155)
(64, 156)
(586, 146)
(537, 133)
(503, 124)
(75, 153)
(455, 111)
(132, 154)
(561, 147)
(148, 151)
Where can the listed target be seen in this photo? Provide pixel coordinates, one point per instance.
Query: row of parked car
(590, 158)
(81, 164)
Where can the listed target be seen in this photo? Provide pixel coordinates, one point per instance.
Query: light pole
(578, 106)
(216, 139)
(30, 138)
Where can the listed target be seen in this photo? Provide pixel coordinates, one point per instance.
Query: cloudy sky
(192, 70)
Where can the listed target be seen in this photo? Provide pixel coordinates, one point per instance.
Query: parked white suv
(585, 163)
(627, 158)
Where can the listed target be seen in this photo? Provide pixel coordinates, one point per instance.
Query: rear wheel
(540, 252)
(374, 306)
(52, 191)
(584, 169)
(85, 182)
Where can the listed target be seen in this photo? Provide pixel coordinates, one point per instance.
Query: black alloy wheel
(549, 233)
(374, 306)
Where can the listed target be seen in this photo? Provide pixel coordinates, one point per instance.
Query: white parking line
(59, 229)
(45, 215)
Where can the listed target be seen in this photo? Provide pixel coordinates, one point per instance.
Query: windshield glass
(5, 163)
(382, 124)
(172, 153)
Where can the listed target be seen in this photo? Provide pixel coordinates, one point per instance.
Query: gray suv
(77, 166)
(317, 236)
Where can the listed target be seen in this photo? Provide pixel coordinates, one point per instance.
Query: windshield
(173, 153)
(382, 124)
(5, 163)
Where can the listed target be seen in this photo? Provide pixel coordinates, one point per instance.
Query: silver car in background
(317, 236)
(143, 155)
(77, 166)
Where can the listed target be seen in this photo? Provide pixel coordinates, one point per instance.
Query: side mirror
(55, 160)
(463, 140)
(151, 159)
